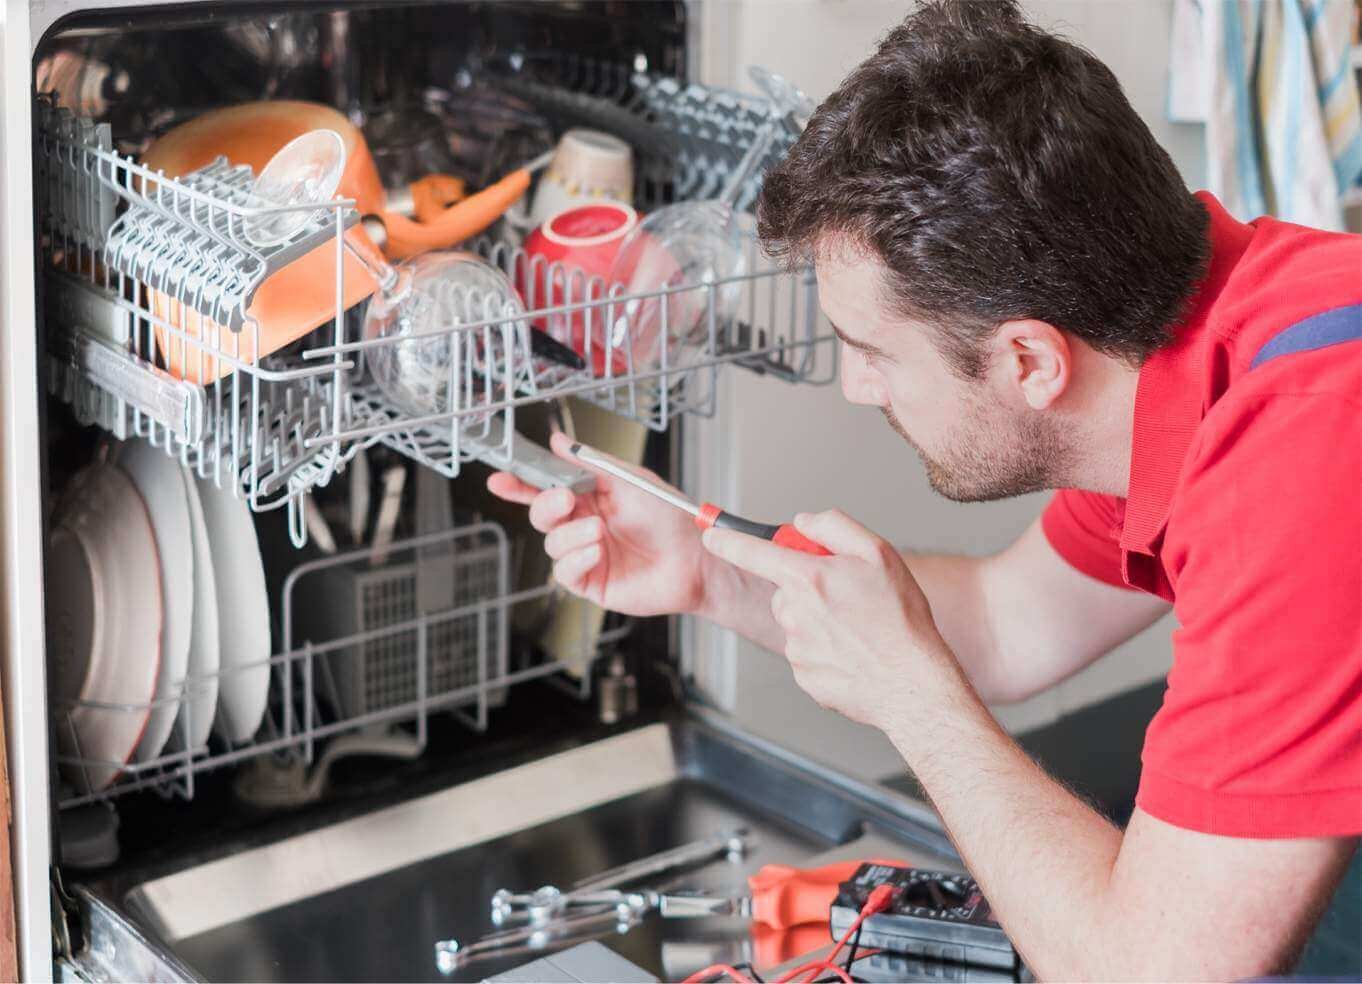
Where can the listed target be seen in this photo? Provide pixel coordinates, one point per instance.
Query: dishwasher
(289, 695)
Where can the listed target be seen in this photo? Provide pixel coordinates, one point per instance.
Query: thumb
(561, 445)
(840, 533)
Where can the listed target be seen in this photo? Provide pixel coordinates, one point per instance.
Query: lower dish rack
(369, 643)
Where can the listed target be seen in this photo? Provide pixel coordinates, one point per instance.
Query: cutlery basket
(422, 627)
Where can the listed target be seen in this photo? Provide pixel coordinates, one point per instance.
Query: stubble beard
(979, 463)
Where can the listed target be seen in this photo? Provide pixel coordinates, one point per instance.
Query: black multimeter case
(935, 914)
(899, 968)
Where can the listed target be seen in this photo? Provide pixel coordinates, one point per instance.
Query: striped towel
(1273, 82)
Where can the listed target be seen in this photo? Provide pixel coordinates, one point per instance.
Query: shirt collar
(1169, 397)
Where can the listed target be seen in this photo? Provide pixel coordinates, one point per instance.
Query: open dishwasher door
(368, 897)
(497, 749)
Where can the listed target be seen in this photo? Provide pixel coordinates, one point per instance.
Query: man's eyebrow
(865, 347)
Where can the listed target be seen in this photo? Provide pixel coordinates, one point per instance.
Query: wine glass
(422, 296)
(688, 244)
(427, 369)
(306, 171)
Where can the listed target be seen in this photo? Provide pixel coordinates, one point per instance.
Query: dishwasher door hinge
(93, 940)
(67, 932)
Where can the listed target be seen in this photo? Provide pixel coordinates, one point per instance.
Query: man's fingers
(840, 533)
(506, 486)
(561, 445)
(550, 508)
(756, 556)
(579, 533)
(571, 570)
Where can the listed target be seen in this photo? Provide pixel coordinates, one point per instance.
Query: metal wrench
(600, 904)
(549, 901)
(450, 955)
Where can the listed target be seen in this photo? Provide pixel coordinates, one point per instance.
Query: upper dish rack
(149, 286)
(148, 303)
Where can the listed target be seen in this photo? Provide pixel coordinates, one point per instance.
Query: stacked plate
(157, 616)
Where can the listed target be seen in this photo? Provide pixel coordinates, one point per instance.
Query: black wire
(751, 971)
(855, 942)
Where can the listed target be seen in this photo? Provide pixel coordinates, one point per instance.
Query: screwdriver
(707, 514)
(781, 896)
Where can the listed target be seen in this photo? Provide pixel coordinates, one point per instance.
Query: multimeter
(935, 914)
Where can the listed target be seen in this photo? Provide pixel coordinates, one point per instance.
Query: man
(1025, 288)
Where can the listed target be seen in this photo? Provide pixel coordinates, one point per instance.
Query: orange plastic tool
(783, 896)
(773, 947)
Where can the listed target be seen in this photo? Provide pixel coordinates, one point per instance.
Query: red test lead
(707, 514)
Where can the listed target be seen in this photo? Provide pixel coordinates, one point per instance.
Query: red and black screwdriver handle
(783, 535)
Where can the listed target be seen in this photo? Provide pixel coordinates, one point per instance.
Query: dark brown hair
(999, 173)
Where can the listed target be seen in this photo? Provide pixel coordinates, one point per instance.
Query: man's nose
(860, 384)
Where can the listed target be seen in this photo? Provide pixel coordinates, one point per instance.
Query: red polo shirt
(1245, 511)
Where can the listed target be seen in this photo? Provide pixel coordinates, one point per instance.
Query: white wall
(806, 449)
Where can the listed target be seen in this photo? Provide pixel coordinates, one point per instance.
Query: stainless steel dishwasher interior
(360, 885)
(366, 899)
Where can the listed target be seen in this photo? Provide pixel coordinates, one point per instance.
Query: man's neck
(1104, 411)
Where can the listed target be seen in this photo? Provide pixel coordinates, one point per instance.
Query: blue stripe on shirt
(1318, 331)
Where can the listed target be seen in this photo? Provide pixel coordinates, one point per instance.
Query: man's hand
(616, 546)
(859, 633)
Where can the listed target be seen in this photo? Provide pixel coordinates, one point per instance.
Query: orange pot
(298, 298)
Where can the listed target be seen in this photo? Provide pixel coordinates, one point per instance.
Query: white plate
(103, 623)
(201, 691)
(243, 613)
(157, 478)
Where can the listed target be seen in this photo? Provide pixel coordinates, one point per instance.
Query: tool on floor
(450, 955)
(732, 844)
(706, 514)
(781, 896)
(938, 914)
(604, 888)
(774, 947)
(788, 907)
(590, 907)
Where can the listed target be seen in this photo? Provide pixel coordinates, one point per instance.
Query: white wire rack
(148, 288)
(149, 324)
(151, 281)
(373, 657)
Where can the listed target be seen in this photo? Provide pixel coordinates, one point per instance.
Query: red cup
(567, 261)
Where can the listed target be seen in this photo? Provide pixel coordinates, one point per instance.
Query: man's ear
(1037, 360)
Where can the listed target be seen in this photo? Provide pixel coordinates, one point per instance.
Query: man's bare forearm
(1022, 619)
(954, 587)
(1080, 899)
(1017, 829)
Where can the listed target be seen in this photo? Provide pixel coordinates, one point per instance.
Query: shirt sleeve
(1084, 528)
(1260, 732)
